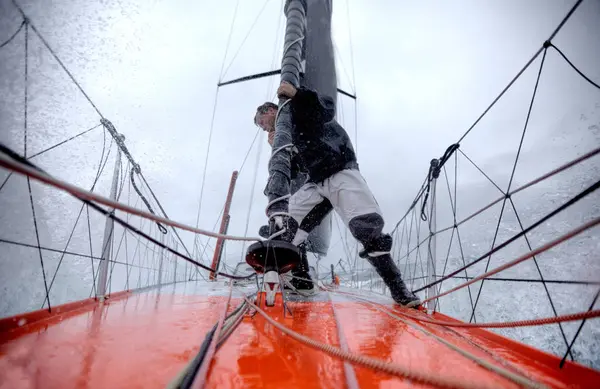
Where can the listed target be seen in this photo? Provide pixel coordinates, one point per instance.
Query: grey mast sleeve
(279, 164)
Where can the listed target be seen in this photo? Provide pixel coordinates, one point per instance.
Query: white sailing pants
(348, 193)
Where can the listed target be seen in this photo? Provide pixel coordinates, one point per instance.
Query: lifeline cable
(24, 169)
(517, 378)
(27, 168)
(524, 257)
(371, 363)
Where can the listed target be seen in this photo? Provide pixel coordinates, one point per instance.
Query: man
(326, 152)
(301, 279)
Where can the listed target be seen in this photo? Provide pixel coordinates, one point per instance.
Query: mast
(312, 52)
(320, 75)
(319, 71)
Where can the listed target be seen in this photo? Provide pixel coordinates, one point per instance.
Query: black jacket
(324, 147)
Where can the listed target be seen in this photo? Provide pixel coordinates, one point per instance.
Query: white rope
(376, 254)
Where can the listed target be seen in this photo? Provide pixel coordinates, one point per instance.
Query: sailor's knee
(367, 227)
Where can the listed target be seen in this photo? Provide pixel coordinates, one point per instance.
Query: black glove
(264, 232)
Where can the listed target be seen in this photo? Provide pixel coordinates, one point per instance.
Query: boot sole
(413, 304)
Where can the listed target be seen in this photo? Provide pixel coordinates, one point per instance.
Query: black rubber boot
(301, 279)
(389, 272)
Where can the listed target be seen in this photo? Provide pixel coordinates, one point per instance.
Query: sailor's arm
(307, 104)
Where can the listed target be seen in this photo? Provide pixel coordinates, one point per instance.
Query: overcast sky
(423, 71)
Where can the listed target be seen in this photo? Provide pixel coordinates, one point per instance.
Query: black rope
(537, 266)
(190, 375)
(434, 172)
(431, 175)
(13, 35)
(160, 226)
(533, 58)
(123, 223)
(570, 345)
(514, 169)
(573, 66)
(120, 139)
(551, 281)
(164, 214)
(574, 200)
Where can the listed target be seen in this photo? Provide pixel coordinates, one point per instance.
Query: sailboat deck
(144, 339)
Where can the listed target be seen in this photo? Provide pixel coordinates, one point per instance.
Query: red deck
(143, 340)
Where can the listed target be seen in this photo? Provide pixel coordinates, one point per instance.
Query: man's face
(266, 120)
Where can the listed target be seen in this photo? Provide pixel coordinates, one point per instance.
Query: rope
(434, 172)
(23, 169)
(574, 200)
(543, 48)
(200, 378)
(372, 363)
(522, 258)
(519, 379)
(26, 165)
(549, 44)
(513, 324)
(135, 187)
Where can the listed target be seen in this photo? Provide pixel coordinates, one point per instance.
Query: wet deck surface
(143, 340)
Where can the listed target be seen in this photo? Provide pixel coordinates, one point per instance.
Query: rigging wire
(6, 42)
(573, 66)
(524, 257)
(25, 169)
(525, 186)
(25, 128)
(369, 362)
(559, 209)
(244, 40)
(135, 187)
(510, 182)
(64, 141)
(101, 167)
(212, 121)
(27, 22)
